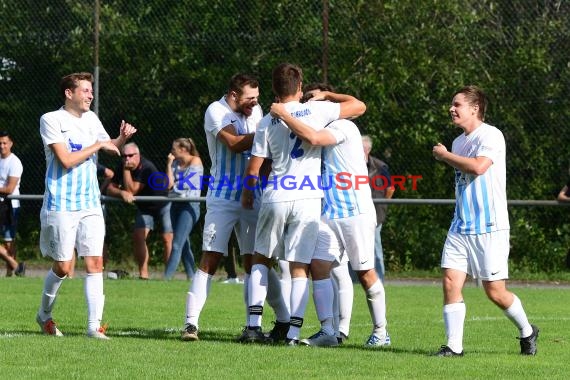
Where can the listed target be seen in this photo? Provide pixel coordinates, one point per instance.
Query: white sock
(246, 296)
(196, 297)
(345, 295)
(275, 297)
(454, 319)
(376, 298)
(285, 284)
(93, 286)
(257, 293)
(323, 298)
(51, 286)
(299, 299)
(517, 315)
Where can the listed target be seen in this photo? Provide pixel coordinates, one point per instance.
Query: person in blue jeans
(184, 169)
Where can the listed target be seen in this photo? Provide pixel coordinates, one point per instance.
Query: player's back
(296, 165)
(346, 193)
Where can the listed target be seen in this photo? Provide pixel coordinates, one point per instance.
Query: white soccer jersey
(481, 201)
(75, 188)
(296, 165)
(11, 166)
(345, 172)
(227, 167)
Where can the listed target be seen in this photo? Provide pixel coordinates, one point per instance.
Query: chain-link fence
(160, 63)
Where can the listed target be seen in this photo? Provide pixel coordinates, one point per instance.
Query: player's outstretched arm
(126, 131)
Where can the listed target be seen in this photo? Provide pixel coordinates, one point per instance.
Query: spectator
(134, 177)
(230, 263)
(184, 169)
(381, 187)
(477, 242)
(71, 215)
(105, 176)
(10, 173)
(564, 196)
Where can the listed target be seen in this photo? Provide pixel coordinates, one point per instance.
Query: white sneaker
(233, 280)
(375, 341)
(98, 334)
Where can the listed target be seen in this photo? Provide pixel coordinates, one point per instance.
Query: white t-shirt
(481, 201)
(11, 166)
(76, 188)
(344, 170)
(296, 165)
(227, 167)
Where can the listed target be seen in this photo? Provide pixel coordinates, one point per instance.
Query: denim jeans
(378, 253)
(184, 216)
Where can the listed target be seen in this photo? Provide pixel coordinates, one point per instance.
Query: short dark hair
(5, 134)
(286, 79)
(315, 86)
(239, 81)
(71, 81)
(476, 97)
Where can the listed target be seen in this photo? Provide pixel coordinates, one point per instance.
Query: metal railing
(393, 201)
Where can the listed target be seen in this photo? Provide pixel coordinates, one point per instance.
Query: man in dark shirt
(134, 176)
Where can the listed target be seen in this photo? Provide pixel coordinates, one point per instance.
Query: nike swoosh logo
(233, 121)
(494, 273)
(364, 262)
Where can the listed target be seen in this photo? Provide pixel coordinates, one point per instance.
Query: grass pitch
(145, 319)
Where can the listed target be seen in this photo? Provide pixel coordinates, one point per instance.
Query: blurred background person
(184, 169)
(135, 176)
(381, 187)
(10, 173)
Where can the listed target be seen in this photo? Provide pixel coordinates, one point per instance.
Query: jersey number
(297, 151)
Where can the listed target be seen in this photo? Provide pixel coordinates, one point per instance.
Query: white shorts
(483, 256)
(356, 238)
(288, 230)
(62, 231)
(327, 248)
(223, 216)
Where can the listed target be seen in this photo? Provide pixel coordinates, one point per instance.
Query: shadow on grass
(171, 334)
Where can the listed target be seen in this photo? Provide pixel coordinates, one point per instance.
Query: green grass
(145, 319)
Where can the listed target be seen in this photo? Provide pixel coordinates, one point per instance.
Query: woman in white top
(185, 170)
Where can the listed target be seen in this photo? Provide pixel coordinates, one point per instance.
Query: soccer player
(349, 220)
(71, 215)
(290, 212)
(478, 240)
(230, 124)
